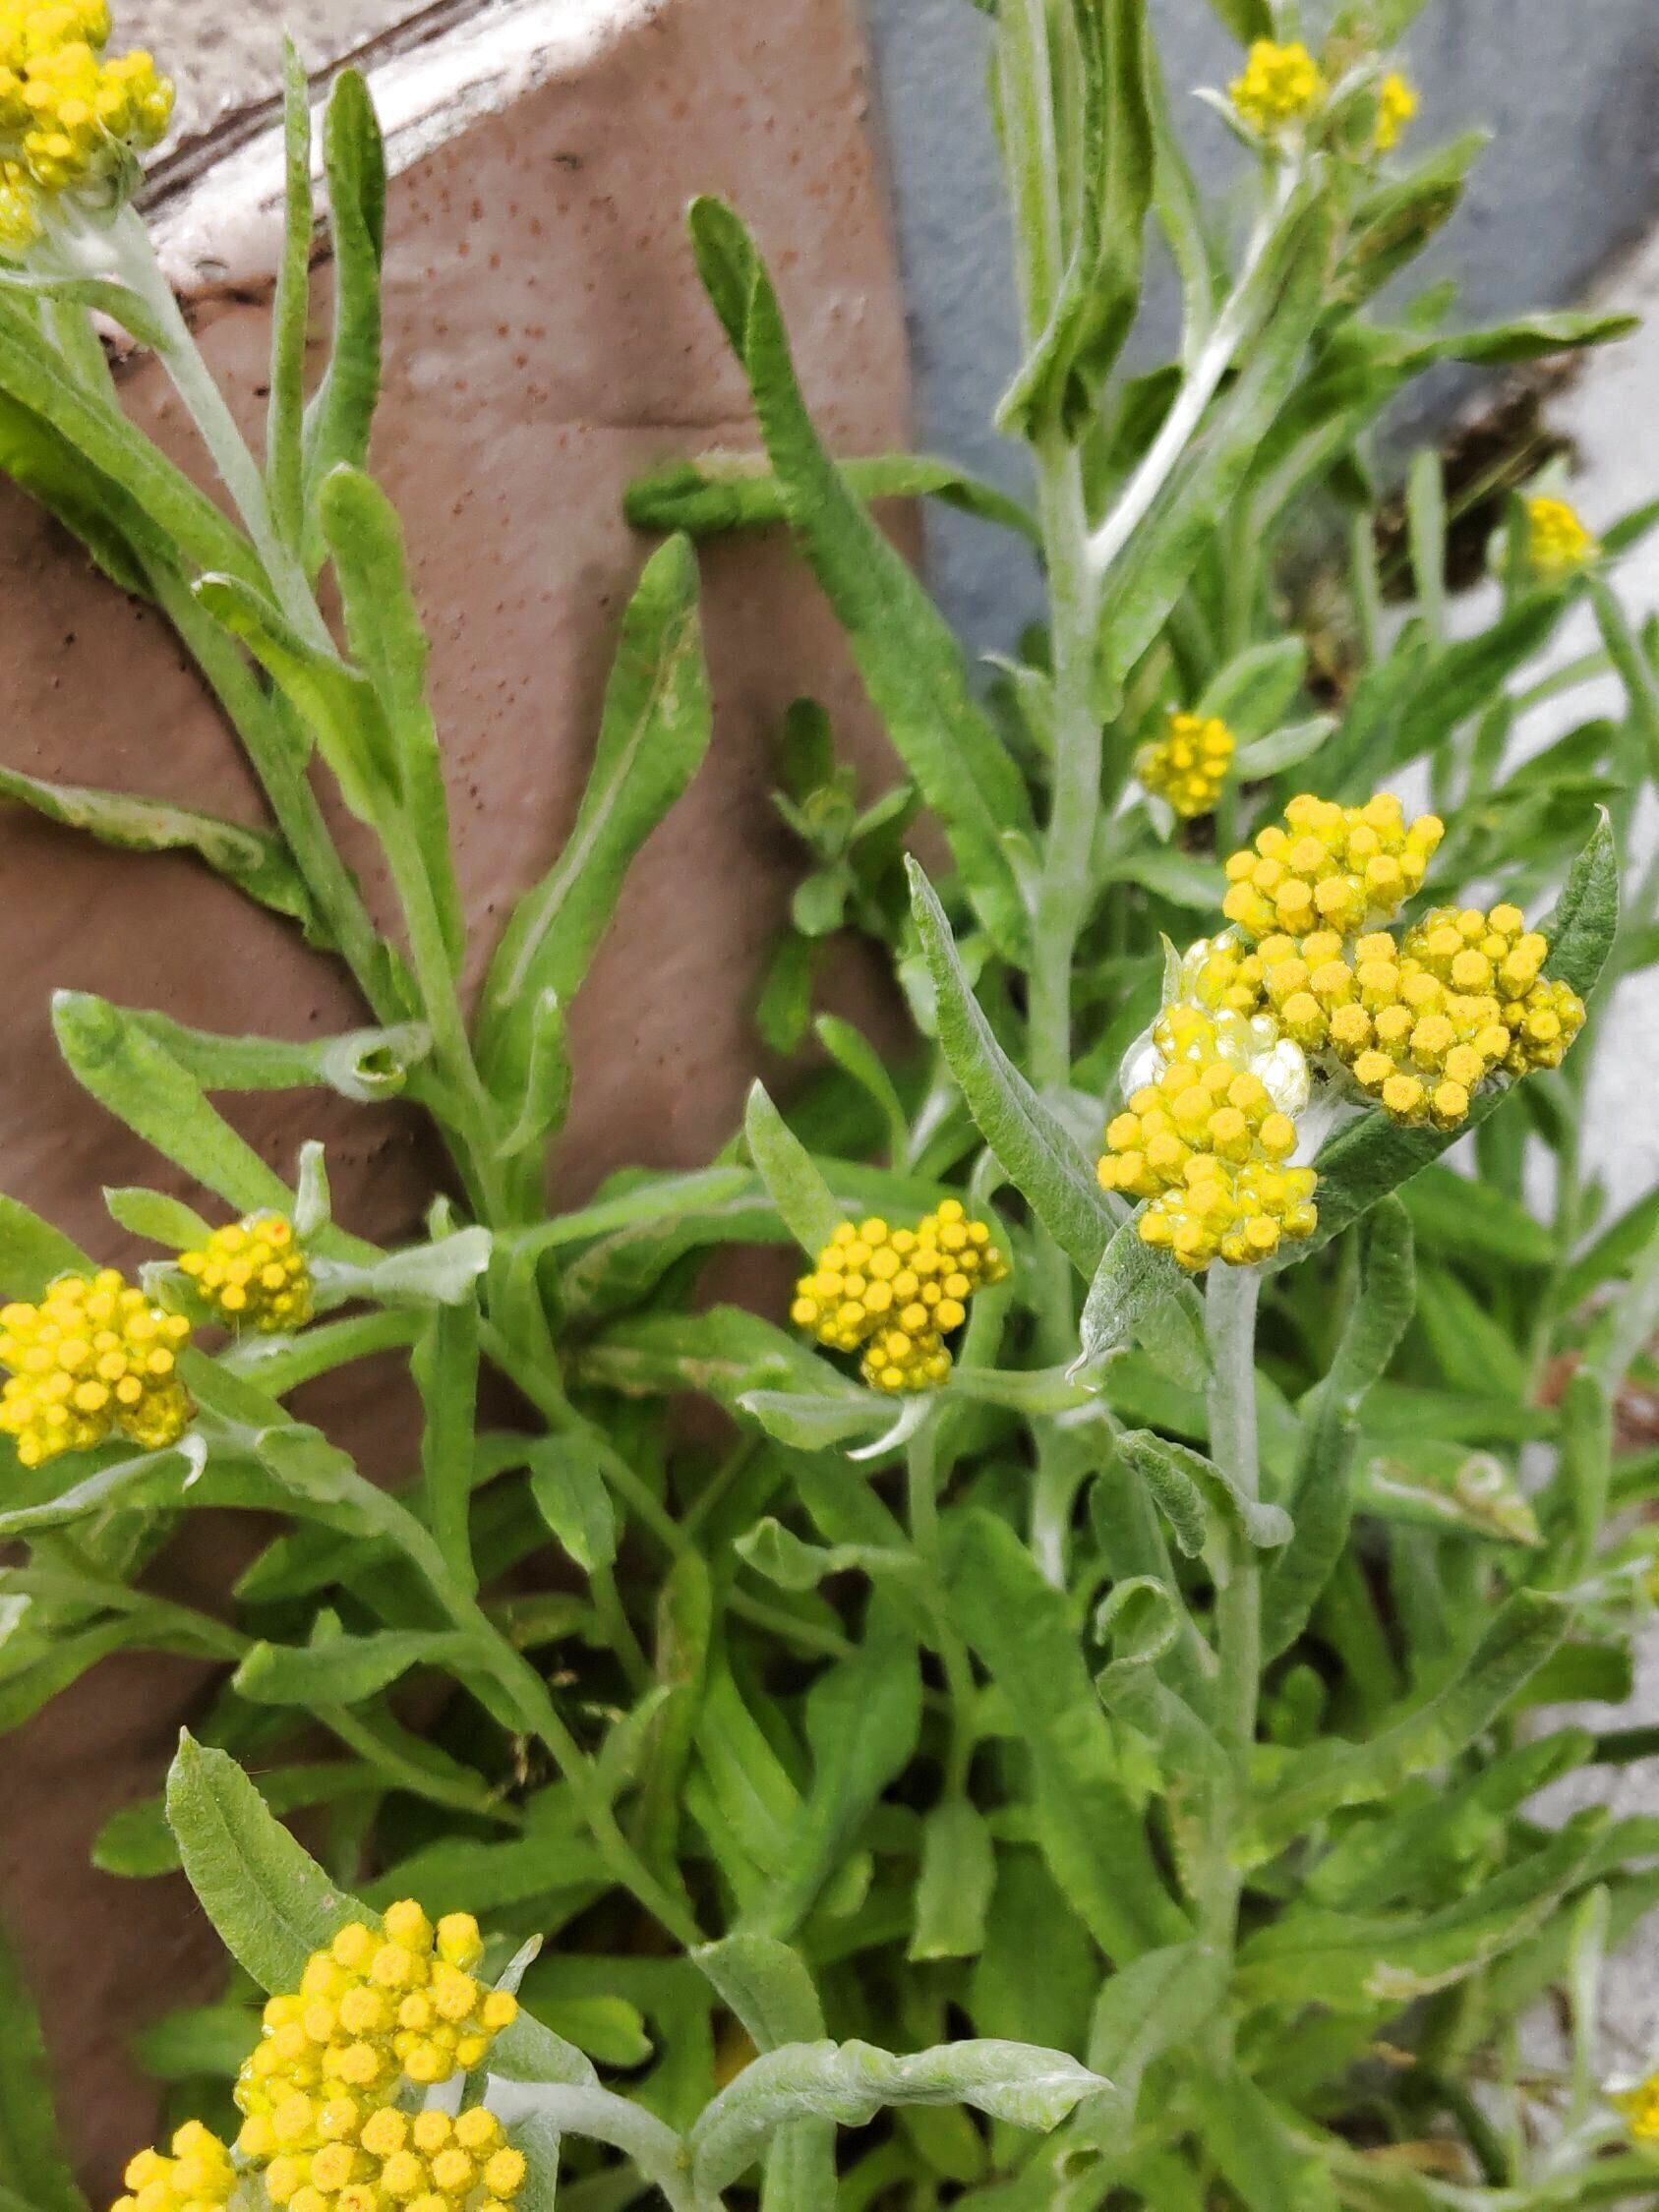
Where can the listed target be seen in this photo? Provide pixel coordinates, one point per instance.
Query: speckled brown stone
(546, 341)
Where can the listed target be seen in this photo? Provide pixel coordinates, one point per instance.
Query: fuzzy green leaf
(572, 1498)
(290, 311)
(1087, 1824)
(1138, 1293)
(1527, 1629)
(911, 666)
(363, 533)
(337, 1669)
(790, 1176)
(848, 2083)
(1035, 1151)
(653, 735)
(252, 859)
(719, 491)
(339, 415)
(34, 2167)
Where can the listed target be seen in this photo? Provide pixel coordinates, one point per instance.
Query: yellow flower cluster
(69, 116)
(1330, 867)
(254, 1273)
(1396, 104)
(1640, 2106)
(371, 2011)
(93, 1357)
(427, 2161)
(896, 1294)
(1556, 540)
(1188, 764)
(1280, 85)
(197, 2177)
(1206, 1144)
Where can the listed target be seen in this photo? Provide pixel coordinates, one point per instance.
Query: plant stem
(542, 1385)
(1635, 671)
(922, 1492)
(136, 262)
(1229, 1314)
(1232, 326)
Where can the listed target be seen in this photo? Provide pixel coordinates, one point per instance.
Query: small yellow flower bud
(1280, 85)
(1556, 540)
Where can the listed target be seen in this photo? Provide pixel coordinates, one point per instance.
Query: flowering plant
(1080, 1732)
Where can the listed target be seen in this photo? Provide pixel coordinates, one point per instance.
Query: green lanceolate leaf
(365, 539)
(1136, 1293)
(652, 738)
(861, 1723)
(1381, 1962)
(110, 1055)
(784, 1559)
(1251, 2141)
(366, 1066)
(1256, 688)
(720, 491)
(33, 1254)
(252, 859)
(1087, 1824)
(34, 2167)
(953, 1890)
(271, 1905)
(572, 1498)
(285, 410)
(108, 521)
(1322, 1499)
(334, 702)
(106, 441)
(766, 1986)
(339, 1669)
(1035, 1151)
(848, 2083)
(791, 1175)
(1394, 224)
(1527, 1629)
(338, 417)
(1584, 921)
(911, 666)
(102, 294)
(1191, 1489)
(1245, 19)
(1153, 2005)
(1100, 292)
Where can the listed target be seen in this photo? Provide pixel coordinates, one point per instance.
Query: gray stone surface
(1572, 173)
(224, 58)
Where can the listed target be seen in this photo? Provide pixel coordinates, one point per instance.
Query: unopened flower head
(254, 1274)
(380, 2160)
(1188, 765)
(198, 2176)
(70, 116)
(1279, 86)
(1460, 997)
(1396, 104)
(1556, 540)
(1330, 867)
(375, 2010)
(93, 1358)
(1207, 1145)
(896, 1293)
